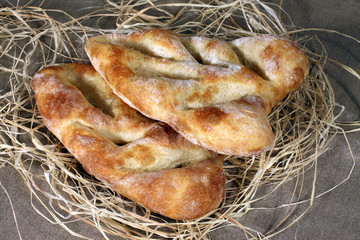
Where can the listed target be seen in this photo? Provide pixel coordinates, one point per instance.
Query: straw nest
(33, 37)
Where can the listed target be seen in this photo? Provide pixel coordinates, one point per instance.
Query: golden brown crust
(214, 101)
(148, 167)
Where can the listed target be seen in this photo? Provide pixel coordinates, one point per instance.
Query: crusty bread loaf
(140, 158)
(200, 86)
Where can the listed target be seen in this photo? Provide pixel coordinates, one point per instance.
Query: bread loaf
(216, 94)
(140, 158)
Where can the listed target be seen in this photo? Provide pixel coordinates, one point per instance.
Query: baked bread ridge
(200, 86)
(148, 167)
